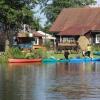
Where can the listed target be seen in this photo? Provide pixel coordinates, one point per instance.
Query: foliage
(15, 13)
(48, 44)
(53, 8)
(15, 53)
(3, 58)
(46, 28)
(96, 48)
(36, 24)
(39, 53)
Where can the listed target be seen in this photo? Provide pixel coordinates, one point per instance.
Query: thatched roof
(77, 21)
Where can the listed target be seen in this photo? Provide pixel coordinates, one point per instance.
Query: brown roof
(76, 21)
(75, 30)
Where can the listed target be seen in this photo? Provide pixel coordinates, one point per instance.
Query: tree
(46, 28)
(36, 24)
(52, 8)
(14, 13)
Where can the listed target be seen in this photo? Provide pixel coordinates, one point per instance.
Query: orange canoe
(24, 60)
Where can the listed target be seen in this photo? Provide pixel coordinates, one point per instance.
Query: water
(55, 81)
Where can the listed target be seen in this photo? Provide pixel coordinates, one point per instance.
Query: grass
(71, 55)
(59, 56)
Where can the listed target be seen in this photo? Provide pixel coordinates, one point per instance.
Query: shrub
(96, 48)
(15, 53)
(48, 44)
(3, 58)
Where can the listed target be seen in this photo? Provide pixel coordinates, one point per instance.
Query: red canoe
(24, 60)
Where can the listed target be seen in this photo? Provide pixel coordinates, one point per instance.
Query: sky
(43, 18)
(98, 2)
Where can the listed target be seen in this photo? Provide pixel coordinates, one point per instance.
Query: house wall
(66, 42)
(38, 41)
(97, 39)
(93, 37)
(24, 42)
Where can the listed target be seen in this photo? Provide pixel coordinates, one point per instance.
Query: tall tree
(14, 13)
(53, 7)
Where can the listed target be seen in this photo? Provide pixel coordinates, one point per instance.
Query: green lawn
(71, 55)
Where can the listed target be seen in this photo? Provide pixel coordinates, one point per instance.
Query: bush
(15, 53)
(96, 47)
(48, 44)
(38, 53)
(18, 54)
(3, 58)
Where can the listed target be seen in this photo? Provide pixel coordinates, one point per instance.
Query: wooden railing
(67, 44)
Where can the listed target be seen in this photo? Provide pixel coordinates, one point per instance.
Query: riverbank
(4, 56)
(71, 55)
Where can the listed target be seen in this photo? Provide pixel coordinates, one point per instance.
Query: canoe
(50, 60)
(72, 60)
(97, 53)
(79, 60)
(24, 60)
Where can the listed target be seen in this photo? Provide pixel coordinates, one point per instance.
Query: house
(73, 25)
(47, 38)
(28, 40)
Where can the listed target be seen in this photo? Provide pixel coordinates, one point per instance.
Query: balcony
(68, 45)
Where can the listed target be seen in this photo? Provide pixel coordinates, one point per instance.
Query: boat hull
(24, 60)
(73, 60)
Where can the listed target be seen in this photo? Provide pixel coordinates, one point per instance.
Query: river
(50, 81)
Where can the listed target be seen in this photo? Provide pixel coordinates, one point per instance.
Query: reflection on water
(59, 81)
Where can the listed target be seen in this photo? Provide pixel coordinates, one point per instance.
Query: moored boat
(72, 60)
(24, 60)
(97, 53)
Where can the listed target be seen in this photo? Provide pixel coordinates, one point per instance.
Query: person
(89, 48)
(83, 53)
(66, 54)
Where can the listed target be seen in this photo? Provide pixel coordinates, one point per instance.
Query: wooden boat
(24, 60)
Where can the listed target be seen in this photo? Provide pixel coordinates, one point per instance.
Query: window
(97, 38)
(36, 42)
(69, 39)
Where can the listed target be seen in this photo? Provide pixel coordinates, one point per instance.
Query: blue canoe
(97, 53)
(72, 60)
